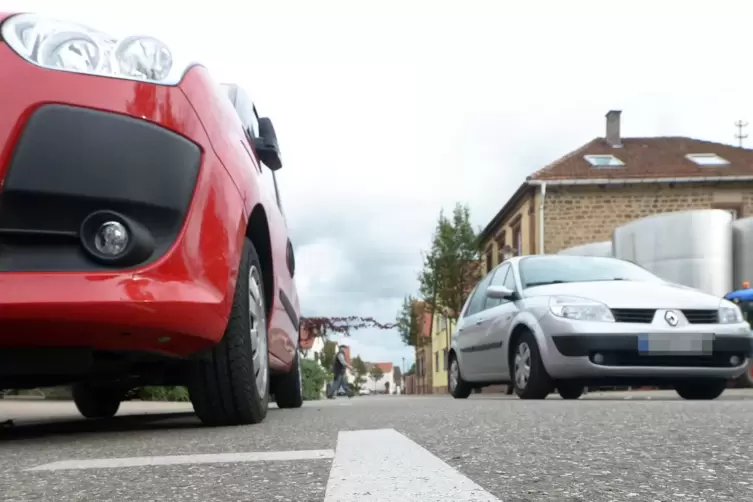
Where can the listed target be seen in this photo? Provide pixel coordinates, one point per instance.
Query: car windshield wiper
(543, 283)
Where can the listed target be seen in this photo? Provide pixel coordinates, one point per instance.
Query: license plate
(675, 343)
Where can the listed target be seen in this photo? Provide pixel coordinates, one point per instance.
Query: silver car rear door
(501, 313)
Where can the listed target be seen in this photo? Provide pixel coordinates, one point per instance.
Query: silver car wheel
(522, 365)
(454, 375)
(258, 331)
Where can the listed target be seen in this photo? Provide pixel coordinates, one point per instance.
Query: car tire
(230, 385)
(288, 388)
(706, 389)
(459, 388)
(568, 390)
(538, 384)
(96, 402)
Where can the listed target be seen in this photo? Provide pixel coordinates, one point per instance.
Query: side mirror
(266, 145)
(500, 293)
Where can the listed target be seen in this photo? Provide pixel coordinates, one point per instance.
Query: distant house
(442, 328)
(311, 347)
(581, 197)
(386, 379)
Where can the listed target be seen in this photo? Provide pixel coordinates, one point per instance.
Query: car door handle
(480, 321)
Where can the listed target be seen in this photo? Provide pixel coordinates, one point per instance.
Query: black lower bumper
(622, 350)
(71, 162)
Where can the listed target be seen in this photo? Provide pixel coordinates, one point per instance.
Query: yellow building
(441, 332)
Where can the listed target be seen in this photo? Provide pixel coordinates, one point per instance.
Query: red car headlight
(72, 47)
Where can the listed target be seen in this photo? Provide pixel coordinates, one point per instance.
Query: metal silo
(693, 248)
(742, 235)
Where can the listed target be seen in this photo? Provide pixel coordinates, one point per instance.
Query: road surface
(639, 446)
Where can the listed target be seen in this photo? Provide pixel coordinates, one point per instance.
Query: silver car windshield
(542, 270)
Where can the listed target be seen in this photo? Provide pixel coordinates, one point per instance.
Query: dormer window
(707, 159)
(603, 161)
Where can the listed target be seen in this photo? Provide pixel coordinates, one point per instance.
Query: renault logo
(671, 318)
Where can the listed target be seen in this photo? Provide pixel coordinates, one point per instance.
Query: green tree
(451, 267)
(410, 322)
(327, 355)
(359, 373)
(314, 378)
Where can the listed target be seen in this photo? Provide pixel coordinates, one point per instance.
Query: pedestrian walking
(339, 367)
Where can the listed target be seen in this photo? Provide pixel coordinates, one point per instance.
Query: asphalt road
(606, 447)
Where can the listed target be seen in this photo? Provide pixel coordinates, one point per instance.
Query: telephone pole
(740, 136)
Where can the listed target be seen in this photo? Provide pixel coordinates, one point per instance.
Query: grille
(629, 358)
(644, 316)
(701, 316)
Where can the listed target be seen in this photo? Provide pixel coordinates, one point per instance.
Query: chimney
(613, 128)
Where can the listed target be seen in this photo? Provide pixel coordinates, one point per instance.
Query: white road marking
(211, 458)
(383, 465)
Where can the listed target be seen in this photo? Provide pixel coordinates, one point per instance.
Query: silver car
(549, 322)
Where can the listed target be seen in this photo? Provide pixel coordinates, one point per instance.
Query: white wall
(387, 377)
(315, 349)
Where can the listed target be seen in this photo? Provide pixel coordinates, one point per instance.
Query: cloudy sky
(388, 111)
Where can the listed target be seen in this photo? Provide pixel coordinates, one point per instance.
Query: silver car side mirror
(499, 292)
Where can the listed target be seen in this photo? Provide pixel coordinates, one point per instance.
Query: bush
(162, 394)
(314, 378)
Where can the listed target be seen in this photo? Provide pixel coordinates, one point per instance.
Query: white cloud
(388, 112)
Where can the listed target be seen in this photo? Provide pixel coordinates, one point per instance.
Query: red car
(142, 237)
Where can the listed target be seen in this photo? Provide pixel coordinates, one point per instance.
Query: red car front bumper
(72, 143)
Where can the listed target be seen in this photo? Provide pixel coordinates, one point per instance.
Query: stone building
(609, 181)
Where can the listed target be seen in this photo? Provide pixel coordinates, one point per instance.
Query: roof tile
(659, 157)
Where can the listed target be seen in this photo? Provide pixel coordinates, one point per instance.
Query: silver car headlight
(66, 46)
(729, 313)
(580, 309)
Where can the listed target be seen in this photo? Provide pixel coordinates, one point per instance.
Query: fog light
(111, 238)
(734, 360)
(598, 358)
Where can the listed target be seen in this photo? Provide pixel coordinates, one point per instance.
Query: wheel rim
(258, 330)
(454, 374)
(522, 365)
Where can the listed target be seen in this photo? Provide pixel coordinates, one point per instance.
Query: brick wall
(521, 222)
(580, 215)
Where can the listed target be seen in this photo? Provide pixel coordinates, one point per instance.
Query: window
(445, 359)
(441, 324)
(517, 240)
(250, 118)
(603, 161)
(478, 299)
(541, 270)
(489, 258)
(498, 280)
(436, 360)
(707, 159)
(501, 241)
(510, 280)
